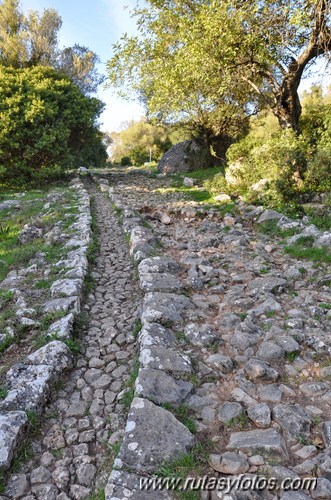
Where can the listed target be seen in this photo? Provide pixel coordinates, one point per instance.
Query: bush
(47, 125)
(269, 172)
(318, 175)
(126, 161)
(217, 184)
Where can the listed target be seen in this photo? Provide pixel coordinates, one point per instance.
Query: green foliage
(303, 249)
(184, 414)
(193, 462)
(3, 392)
(267, 172)
(46, 126)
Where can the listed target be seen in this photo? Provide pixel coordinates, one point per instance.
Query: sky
(97, 24)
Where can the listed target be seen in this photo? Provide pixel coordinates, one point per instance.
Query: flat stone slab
(30, 382)
(66, 288)
(162, 358)
(122, 485)
(159, 282)
(29, 387)
(13, 427)
(65, 304)
(294, 420)
(271, 285)
(259, 441)
(158, 265)
(62, 328)
(160, 387)
(155, 334)
(6, 205)
(55, 354)
(165, 308)
(152, 436)
(269, 215)
(201, 335)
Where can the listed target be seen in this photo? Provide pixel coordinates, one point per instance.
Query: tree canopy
(32, 40)
(210, 64)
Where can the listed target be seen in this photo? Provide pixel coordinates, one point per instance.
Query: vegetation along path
(254, 389)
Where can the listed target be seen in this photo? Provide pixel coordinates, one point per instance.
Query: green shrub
(217, 184)
(270, 172)
(47, 125)
(126, 161)
(318, 174)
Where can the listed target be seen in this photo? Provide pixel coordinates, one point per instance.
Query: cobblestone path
(73, 451)
(256, 333)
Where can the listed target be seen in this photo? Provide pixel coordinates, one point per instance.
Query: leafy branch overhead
(209, 65)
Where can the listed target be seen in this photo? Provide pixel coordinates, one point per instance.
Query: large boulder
(185, 157)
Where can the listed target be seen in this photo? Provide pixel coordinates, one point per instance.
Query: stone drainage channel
(242, 350)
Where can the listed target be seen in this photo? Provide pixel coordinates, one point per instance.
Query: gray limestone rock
(66, 288)
(287, 343)
(165, 308)
(184, 157)
(152, 436)
(228, 411)
(162, 358)
(223, 363)
(55, 354)
(294, 420)
(17, 486)
(263, 441)
(326, 432)
(260, 414)
(29, 387)
(13, 427)
(159, 282)
(64, 304)
(123, 484)
(30, 383)
(314, 388)
(62, 328)
(158, 265)
(85, 474)
(271, 352)
(29, 234)
(322, 490)
(269, 215)
(269, 305)
(160, 387)
(229, 463)
(271, 285)
(270, 393)
(155, 334)
(7, 204)
(256, 369)
(201, 335)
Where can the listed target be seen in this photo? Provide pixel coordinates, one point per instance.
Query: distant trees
(32, 40)
(138, 140)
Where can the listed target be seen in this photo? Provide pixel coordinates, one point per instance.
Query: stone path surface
(254, 325)
(73, 452)
(232, 328)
